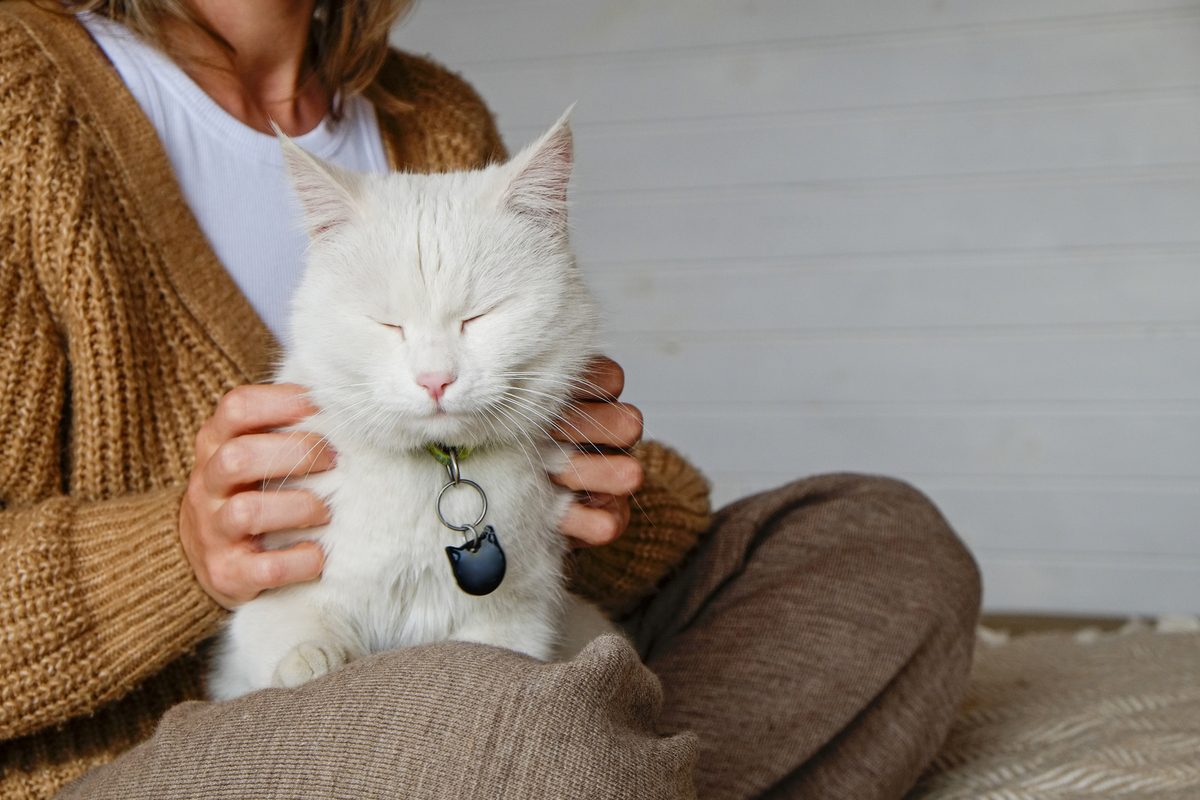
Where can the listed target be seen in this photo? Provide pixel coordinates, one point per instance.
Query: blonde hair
(348, 39)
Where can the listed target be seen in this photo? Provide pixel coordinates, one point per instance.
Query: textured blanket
(1052, 716)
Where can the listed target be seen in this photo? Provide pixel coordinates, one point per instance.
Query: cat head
(440, 308)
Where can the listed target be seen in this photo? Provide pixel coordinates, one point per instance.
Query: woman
(817, 639)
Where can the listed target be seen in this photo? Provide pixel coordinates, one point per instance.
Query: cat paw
(307, 661)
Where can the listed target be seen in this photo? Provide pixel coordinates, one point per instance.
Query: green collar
(442, 452)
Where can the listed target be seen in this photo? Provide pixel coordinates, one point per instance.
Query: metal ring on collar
(482, 512)
(472, 541)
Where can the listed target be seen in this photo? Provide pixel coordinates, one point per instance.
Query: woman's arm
(95, 595)
(95, 591)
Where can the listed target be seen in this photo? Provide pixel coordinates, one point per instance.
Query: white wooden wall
(954, 241)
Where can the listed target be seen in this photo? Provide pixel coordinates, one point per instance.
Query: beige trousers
(817, 645)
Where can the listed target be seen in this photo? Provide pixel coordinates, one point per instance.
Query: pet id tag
(479, 564)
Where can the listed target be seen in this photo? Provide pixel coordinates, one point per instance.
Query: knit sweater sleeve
(95, 594)
(669, 516)
(93, 600)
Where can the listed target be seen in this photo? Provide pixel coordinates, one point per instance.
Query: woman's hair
(348, 38)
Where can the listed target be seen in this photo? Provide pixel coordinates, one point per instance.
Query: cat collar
(447, 455)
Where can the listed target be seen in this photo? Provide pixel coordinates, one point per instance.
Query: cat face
(440, 308)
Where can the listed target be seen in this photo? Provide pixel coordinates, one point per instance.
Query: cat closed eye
(398, 328)
(489, 310)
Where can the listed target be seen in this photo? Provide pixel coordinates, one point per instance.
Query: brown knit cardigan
(121, 331)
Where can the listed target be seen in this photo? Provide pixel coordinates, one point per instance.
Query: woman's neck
(263, 79)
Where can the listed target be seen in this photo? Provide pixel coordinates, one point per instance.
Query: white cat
(434, 309)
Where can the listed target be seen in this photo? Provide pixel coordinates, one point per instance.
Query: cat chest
(386, 529)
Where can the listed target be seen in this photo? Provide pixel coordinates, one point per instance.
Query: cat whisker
(516, 438)
(556, 422)
(543, 418)
(589, 389)
(277, 454)
(632, 496)
(554, 442)
(482, 414)
(574, 469)
(360, 408)
(579, 409)
(558, 445)
(384, 420)
(322, 443)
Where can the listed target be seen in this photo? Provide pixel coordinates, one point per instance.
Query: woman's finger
(242, 575)
(597, 520)
(602, 380)
(253, 408)
(602, 474)
(250, 459)
(273, 568)
(257, 511)
(607, 424)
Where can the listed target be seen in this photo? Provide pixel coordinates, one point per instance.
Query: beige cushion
(444, 721)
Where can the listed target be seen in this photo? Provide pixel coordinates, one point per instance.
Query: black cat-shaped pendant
(478, 565)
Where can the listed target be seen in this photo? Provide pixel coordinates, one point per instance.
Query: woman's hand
(602, 475)
(224, 509)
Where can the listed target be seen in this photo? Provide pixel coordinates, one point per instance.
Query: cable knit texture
(668, 511)
(121, 331)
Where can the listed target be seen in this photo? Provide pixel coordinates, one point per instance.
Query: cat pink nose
(435, 383)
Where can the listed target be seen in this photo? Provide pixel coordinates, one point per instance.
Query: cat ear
(326, 192)
(537, 189)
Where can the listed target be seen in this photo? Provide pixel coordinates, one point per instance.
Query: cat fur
(466, 275)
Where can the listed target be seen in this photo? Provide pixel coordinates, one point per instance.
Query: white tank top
(233, 176)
